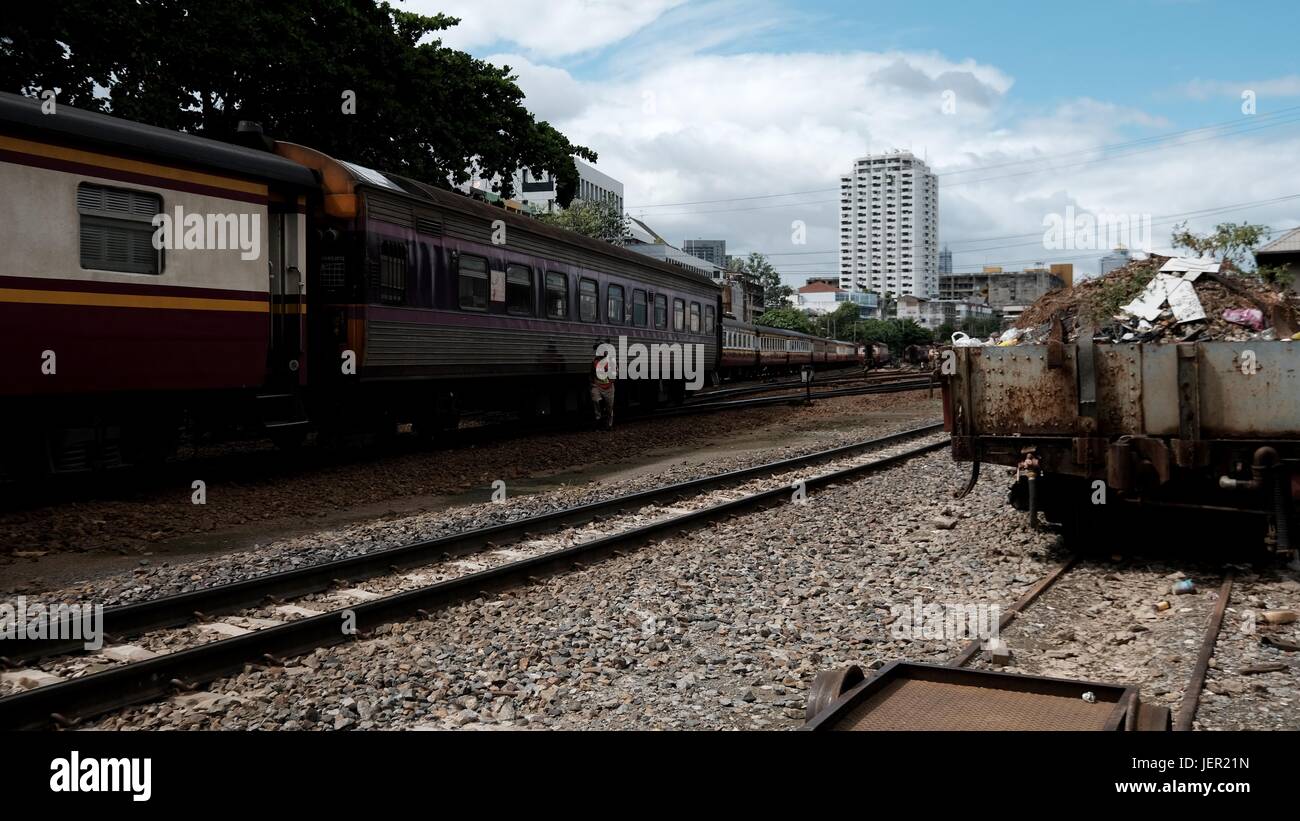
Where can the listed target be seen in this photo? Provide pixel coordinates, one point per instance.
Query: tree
(910, 333)
(756, 266)
(1227, 241)
(417, 108)
(600, 219)
(879, 330)
(981, 327)
(839, 323)
(790, 319)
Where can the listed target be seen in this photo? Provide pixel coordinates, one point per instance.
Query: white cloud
(1288, 86)
(545, 28)
(678, 125)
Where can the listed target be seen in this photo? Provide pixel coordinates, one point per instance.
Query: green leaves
(599, 219)
(790, 319)
(421, 110)
(775, 293)
(1227, 241)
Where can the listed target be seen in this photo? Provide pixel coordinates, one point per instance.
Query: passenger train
(351, 299)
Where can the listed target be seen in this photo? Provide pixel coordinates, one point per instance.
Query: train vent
(390, 211)
(428, 225)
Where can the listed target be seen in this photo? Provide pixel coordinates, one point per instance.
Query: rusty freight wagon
(1097, 429)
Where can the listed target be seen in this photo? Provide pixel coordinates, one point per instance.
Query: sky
(734, 119)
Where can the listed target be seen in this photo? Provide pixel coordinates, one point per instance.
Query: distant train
(302, 293)
(754, 350)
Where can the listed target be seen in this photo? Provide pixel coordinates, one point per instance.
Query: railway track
(576, 535)
(248, 458)
(1182, 720)
(832, 378)
(899, 386)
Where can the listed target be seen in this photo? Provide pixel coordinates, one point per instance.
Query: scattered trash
(1090, 697)
(1280, 644)
(1166, 299)
(997, 652)
(1162, 606)
(1250, 317)
(1277, 616)
(1256, 669)
(961, 339)
(1183, 587)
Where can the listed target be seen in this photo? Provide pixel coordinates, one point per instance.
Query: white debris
(1176, 291)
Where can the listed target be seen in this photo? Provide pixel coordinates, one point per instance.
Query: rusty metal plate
(1260, 405)
(912, 704)
(914, 696)
(1013, 391)
(1119, 389)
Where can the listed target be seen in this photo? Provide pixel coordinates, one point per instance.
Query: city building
(713, 250)
(1000, 288)
(829, 280)
(1284, 253)
(644, 240)
(742, 297)
(945, 261)
(1115, 259)
(933, 313)
(536, 192)
(889, 222)
(819, 297)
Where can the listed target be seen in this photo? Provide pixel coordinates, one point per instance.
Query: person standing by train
(602, 385)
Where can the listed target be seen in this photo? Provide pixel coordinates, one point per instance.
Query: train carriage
(338, 297)
(750, 350)
(446, 303)
(106, 339)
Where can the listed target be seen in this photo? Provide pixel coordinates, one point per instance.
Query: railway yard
(591, 598)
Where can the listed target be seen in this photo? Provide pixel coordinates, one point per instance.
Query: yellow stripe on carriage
(101, 300)
(76, 155)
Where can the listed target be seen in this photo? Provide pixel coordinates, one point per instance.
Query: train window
(588, 300)
(661, 311)
(117, 229)
(614, 304)
(638, 308)
(679, 314)
(392, 272)
(557, 295)
(473, 277)
(695, 317)
(519, 290)
(709, 319)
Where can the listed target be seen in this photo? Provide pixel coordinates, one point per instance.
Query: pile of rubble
(1164, 299)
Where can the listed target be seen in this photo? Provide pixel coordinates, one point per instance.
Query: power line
(1232, 128)
(1162, 219)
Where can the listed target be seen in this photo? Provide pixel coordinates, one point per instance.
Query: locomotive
(290, 292)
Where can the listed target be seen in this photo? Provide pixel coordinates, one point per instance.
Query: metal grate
(916, 704)
(333, 272)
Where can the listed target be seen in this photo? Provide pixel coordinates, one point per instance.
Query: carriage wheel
(830, 685)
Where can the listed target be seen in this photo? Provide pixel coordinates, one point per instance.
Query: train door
(286, 244)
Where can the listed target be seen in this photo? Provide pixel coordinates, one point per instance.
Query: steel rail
(181, 608)
(75, 700)
(1192, 695)
(791, 398)
(745, 390)
(1027, 598)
